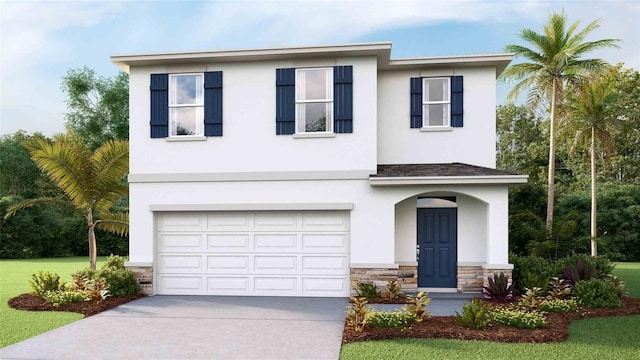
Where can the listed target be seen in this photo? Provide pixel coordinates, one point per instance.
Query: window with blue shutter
(159, 105)
(285, 101)
(436, 102)
(343, 99)
(213, 103)
(416, 102)
(456, 101)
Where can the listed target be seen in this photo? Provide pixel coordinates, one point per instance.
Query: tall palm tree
(555, 63)
(590, 119)
(90, 181)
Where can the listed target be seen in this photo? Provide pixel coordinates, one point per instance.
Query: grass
(14, 280)
(604, 338)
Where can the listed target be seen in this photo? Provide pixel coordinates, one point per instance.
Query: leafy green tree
(554, 63)
(89, 179)
(18, 174)
(590, 119)
(98, 106)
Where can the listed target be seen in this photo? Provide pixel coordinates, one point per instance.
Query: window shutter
(343, 99)
(285, 101)
(213, 103)
(416, 102)
(456, 101)
(159, 105)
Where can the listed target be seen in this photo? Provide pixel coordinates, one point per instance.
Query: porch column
(498, 228)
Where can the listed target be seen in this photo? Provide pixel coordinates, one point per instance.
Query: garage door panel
(275, 221)
(229, 222)
(225, 264)
(325, 243)
(228, 242)
(180, 243)
(325, 221)
(182, 285)
(181, 264)
(181, 221)
(279, 285)
(325, 265)
(222, 285)
(319, 286)
(275, 242)
(275, 264)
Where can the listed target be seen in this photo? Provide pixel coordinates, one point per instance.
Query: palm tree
(89, 180)
(554, 64)
(590, 119)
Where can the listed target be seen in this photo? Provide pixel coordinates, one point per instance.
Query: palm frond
(13, 209)
(117, 223)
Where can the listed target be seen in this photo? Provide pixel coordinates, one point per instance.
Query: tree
(590, 119)
(98, 106)
(18, 174)
(89, 179)
(554, 64)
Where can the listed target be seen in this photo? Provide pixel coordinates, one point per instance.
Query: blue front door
(437, 238)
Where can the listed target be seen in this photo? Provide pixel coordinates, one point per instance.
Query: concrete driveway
(197, 327)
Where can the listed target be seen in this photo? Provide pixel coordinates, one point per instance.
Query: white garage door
(265, 253)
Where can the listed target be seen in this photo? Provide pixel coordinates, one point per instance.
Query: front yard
(602, 338)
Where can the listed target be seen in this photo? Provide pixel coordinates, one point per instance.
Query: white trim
(186, 138)
(314, 135)
(138, 264)
(436, 128)
(373, 266)
(252, 176)
(438, 290)
(251, 207)
(469, 263)
(449, 180)
(497, 266)
(499, 61)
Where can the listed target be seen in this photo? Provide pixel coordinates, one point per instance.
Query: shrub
(357, 312)
(621, 287)
(113, 262)
(368, 290)
(121, 282)
(579, 271)
(602, 265)
(530, 272)
(559, 306)
(474, 315)
(498, 289)
(532, 299)
(417, 307)
(559, 289)
(389, 319)
(393, 290)
(597, 293)
(96, 289)
(518, 318)
(60, 297)
(43, 282)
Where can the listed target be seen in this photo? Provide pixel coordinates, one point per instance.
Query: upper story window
(186, 104)
(436, 102)
(314, 100)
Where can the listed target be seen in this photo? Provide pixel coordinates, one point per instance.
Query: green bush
(368, 290)
(559, 306)
(518, 318)
(121, 282)
(597, 293)
(532, 299)
(113, 262)
(389, 319)
(43, 282)
(60, 297)
(474, 315)
(559, 289)
(603, 266)
(530, 272)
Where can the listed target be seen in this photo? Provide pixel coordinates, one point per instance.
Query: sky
(41, 40)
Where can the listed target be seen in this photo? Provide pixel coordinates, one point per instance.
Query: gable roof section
(443, 174)
(381, 50)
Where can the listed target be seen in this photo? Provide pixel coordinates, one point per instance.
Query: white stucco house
(300, 171)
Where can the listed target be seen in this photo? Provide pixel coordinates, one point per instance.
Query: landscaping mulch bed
(444, 327)
(87, 308)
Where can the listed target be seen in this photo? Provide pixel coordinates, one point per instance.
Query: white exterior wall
(249, 142)
(474, 143)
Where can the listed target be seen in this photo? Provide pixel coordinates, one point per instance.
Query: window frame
(199, 124)
(329, 101)
(425, 113)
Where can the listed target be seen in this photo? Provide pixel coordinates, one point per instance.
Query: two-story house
(300, 171)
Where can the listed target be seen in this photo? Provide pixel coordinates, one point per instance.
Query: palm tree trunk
(594, 245)
(92, 240)
(552, 162)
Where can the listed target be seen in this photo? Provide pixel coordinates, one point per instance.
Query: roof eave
(449, 180)
(499, 61)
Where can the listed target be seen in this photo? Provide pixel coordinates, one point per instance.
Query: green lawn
(604, 338)
(14, 280)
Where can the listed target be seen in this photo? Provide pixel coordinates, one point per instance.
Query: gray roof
(425, 170)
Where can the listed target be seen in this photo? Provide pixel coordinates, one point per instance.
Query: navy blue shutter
(343, 99)
(456, 101)
(159, 105)
(213, 103)
(416, 102)
(285, 101)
